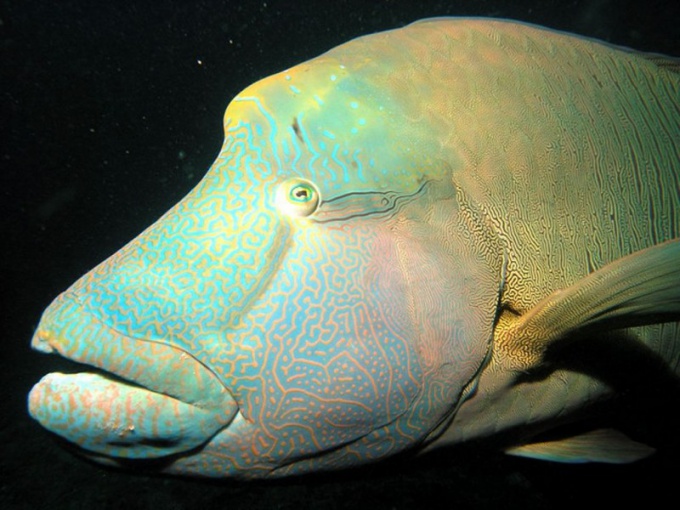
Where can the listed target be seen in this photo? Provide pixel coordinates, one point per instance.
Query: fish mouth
(134, 399)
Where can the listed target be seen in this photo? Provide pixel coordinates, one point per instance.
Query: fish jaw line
(167, 404)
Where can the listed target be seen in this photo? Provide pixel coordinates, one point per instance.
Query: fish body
(391, 235)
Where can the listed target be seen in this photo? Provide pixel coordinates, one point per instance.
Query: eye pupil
(301, 193)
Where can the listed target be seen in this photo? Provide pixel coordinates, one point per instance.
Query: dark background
(111, 112)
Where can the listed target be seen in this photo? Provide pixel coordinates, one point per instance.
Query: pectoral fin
(643, 288)
(606, 445)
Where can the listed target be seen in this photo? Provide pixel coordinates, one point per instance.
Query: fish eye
(297, 197)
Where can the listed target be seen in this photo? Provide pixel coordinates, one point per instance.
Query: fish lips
(138, 399)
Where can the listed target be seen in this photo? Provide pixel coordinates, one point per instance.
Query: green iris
(302, 193)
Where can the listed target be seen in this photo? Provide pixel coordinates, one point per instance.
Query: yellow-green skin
(329, 294)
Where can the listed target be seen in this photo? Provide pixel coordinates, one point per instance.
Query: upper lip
(155, 365)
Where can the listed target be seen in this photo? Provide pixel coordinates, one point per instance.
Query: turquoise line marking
(345, 170)
(238, 127)
(273, 144)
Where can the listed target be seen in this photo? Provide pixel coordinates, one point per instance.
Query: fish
(393, 251)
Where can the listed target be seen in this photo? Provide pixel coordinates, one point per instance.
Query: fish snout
(136, 398)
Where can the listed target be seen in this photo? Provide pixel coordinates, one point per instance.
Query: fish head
(316, 302)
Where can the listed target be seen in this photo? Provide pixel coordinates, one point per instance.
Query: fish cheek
(398, 360)
(329, 360)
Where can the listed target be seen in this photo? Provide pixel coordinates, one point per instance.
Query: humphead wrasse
(390, 248)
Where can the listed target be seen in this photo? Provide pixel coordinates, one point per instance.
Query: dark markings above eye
(296, 127)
